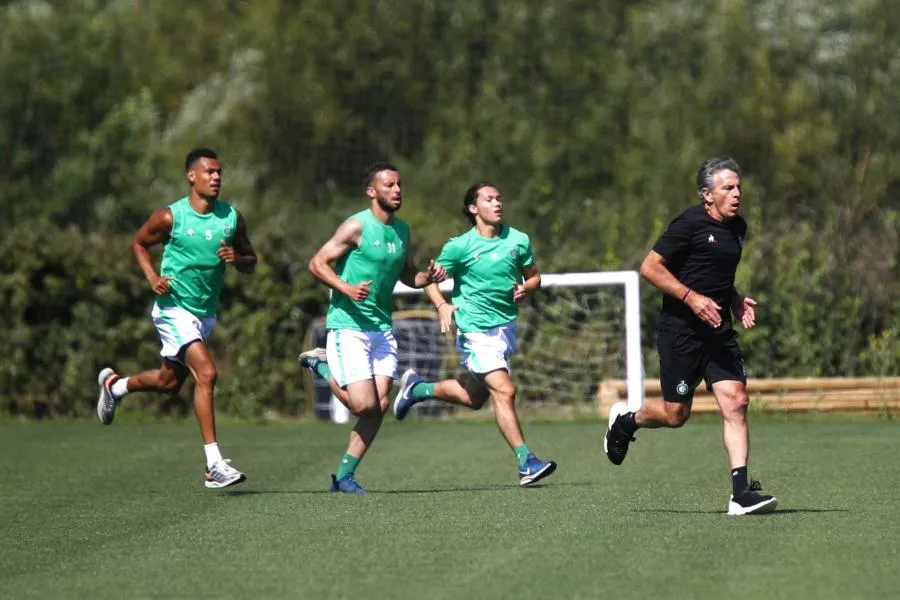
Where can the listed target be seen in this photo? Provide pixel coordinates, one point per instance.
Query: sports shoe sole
(615, 411)
(215, 485)
(404, 382)
(766, 506)
(535, 477)
(315, 352)
(101, 399)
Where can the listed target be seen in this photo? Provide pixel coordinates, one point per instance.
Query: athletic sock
(213, 454)
(628, 423)
(522, 453)
(119, 387)
(322, 370)
(422, 390)
(738, 480)
(347, 466)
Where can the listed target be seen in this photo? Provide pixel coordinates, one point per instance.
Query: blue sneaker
(534, 470)
(404, 401)
(346, 485)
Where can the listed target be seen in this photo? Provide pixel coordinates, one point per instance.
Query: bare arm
(532, 283)
(414, 278)
(744, 308)
(155, 231)
(654, 270)
(444, 308)
(347, 237)
(240, 253)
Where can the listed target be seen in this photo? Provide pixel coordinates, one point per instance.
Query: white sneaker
(222, 474)
(106, 403)
(311, 358)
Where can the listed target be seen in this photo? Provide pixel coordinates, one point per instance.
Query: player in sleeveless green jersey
(493, 269)
(200, 235)
(362, 263)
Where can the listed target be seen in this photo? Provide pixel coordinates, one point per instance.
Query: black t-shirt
(703, 254)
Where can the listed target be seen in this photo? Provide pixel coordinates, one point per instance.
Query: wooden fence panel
(827, 394)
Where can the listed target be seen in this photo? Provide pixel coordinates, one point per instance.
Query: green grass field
(120, 512)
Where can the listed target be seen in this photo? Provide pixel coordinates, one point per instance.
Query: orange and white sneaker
(106, 402)
(222, 474)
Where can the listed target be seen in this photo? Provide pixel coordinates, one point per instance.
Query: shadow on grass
(443, 490)
(777, 512)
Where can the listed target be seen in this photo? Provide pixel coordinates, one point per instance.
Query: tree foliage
(591, 117)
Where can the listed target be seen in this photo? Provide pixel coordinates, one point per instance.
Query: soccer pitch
(120, 512)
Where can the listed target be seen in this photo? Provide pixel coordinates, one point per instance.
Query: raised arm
(345, 239)
(155, 231)
(240, 253)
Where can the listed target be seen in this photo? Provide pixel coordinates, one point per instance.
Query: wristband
(440, 305)
(683, 298)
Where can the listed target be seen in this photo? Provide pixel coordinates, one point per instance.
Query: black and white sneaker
(615, 444)
(750, 501)
(106, 402)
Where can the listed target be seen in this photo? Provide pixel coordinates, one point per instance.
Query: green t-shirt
(189, 257)
(379, 258)
(483, 271)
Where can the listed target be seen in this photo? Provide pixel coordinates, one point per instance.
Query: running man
(694, 264)
(200, 235)
(493, 269)
(370, 252)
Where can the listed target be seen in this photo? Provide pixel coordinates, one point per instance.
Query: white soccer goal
(577, 331)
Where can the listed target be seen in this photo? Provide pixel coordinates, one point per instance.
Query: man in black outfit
(694, 264)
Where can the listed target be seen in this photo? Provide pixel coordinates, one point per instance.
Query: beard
(386, 206)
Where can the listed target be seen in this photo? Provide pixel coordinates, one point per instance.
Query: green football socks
(322, 370)
(347, 466)
(522, 453)
(422, 390)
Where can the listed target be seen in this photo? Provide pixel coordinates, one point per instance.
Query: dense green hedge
(591, 117)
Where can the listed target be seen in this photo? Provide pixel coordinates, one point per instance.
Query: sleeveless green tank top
(189, 257)
(379, 258)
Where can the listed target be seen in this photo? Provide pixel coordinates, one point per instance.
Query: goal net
(579, 330)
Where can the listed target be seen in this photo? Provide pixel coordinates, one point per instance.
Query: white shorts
(486, 351)
(177, 328)
(358, 355)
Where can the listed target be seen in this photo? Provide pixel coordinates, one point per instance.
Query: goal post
(571, 334)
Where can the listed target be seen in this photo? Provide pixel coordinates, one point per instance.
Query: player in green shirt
(362, 263)
(200, 235)
(493, 269)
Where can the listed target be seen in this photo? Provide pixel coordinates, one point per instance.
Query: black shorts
(686, 358)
